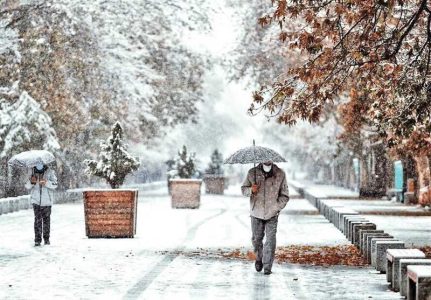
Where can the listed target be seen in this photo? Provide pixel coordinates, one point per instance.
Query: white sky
(225, 101)
(223, 35)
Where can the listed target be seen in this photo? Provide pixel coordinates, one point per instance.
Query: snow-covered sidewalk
(77, 267)
(409, 223)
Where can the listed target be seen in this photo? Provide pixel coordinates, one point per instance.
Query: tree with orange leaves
(379, 50)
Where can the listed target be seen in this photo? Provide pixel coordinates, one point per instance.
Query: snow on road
(74, 266)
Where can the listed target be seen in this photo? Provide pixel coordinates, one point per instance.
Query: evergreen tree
(215, 166)
(170, 164)
(115, 162)
(185, 164)
(171, 169)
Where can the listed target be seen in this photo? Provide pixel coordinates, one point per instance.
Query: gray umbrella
(254, 155)
(29, 159)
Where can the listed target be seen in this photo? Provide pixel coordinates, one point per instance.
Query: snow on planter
(112, 213)
(185, 192)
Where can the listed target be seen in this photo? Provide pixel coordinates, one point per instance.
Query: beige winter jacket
(273, 193)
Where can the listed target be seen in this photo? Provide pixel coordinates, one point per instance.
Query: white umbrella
(29, 159)
(254, 155)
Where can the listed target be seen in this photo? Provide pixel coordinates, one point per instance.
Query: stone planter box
(214, 184)
(110, 213)
(185, 193)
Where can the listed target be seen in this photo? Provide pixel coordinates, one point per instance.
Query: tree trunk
(374, 176)
(381, 178)
(423, 168)
(364, 176)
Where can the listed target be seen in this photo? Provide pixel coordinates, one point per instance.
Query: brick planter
(185, 193)
(214, 184)
(110, 213)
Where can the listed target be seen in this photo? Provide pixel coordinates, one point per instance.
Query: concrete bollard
(334, 214)
(341, 214)
(362, 232)
(404, 262)
(380, 253)
(363, 239)
(348, 219)
(393, 264)
(372, 243)
(419, 282)
(356, 231)
(350, 227)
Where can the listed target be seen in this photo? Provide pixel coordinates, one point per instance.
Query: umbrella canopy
(29, 159)
(254, 155)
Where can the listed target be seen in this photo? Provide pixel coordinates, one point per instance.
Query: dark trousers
(261, 228)
(42, 221)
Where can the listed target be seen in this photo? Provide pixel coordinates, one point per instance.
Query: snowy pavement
(324, 190)
(77, 267)
(409, 223)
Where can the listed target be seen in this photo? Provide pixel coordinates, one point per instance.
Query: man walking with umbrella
(267, 188)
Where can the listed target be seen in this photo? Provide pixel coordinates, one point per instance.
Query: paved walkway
(77, 267)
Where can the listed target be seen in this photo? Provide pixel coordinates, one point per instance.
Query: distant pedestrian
(267, 188)
(42, 181)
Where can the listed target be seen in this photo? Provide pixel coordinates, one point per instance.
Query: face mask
(267, 168)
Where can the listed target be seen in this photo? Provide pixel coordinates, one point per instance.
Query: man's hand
(42, 182)
(254, 188)
(33, 180)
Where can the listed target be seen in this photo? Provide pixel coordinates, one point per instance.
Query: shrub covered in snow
(185, 164)
(24, 126)
(115, 162)
(215, 167)
(171, 170)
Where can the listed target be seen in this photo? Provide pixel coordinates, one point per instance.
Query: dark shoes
(37, 244)
(258, 265)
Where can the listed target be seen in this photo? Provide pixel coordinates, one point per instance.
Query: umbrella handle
(254, 163)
